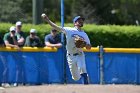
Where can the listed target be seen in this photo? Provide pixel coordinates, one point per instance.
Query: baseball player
(75, 56)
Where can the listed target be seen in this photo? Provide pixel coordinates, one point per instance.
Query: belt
(75, 54)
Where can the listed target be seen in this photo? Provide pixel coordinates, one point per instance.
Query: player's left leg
(84, 76)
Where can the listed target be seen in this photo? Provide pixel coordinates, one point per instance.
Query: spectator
(21, 40)
(20, 34)
(33, 40)
(10, 39)
(53, 39)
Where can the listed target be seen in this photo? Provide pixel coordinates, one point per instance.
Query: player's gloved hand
(79, 42)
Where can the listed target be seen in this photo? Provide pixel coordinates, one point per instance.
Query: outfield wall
(47, 65)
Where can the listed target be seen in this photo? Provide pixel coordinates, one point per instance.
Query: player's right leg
(73, 68)
(74, 71)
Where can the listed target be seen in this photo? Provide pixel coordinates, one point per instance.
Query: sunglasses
(13, 31)
(54, 30)
(33, 33)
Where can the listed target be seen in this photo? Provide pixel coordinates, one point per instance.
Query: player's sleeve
(66, 30)
(87, 39)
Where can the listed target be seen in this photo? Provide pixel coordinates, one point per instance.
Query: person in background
(33, 40)
(11, 40)
(53, 39)
(20, 34)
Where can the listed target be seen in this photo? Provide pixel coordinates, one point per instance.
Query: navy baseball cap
(78, 17)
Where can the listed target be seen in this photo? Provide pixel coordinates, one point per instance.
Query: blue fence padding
(32, 67)
(11, 68)
(121, 68)
(37, 67)
(14, 61)
(52, 67)
(44, 67)
(138, 70)
(1, 66)
(3, 63)
(1, 71)
(92, 62)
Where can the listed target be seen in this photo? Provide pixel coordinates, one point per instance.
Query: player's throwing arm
(58, 28)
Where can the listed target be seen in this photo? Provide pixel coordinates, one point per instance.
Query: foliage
(115, 36)
(11, 11)
(52, 9)
(118, 12)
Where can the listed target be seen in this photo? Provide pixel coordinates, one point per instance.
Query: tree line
(118, 12)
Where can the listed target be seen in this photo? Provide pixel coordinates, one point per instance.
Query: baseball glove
(79, 42)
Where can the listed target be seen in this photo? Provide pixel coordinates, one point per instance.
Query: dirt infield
(73, 89)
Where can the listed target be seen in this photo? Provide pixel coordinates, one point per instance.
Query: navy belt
(76, 54)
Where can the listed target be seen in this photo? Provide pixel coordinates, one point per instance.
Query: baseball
(43, 15)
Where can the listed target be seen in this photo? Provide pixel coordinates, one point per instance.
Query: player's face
(79, 23)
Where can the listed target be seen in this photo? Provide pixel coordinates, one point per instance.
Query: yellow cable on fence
(29, 49)
(93, 49)
(122, 50)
